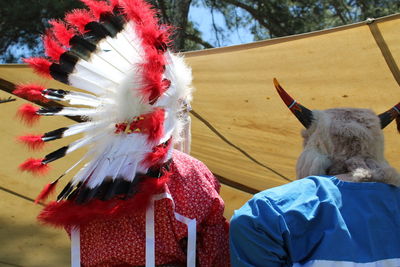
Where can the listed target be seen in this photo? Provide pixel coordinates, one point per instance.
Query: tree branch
(268, 21)
(339, 12)
(198, 40)
(180, 12)
(163, 9)
(215, 26)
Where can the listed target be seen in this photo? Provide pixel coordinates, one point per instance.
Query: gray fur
(346, 140)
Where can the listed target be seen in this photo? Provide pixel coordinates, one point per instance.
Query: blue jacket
(319, 221)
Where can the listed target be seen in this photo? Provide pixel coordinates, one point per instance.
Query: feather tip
(34, 166)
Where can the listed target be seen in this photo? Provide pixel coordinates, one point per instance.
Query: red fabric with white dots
(195, 192)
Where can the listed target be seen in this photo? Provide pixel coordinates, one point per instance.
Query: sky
(203, 20)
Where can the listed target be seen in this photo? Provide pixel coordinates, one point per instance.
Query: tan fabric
(336, 68)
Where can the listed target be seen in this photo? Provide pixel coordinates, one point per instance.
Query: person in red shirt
(194, 194)
(136, 201)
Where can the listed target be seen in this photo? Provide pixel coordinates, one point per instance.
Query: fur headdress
(343, 140)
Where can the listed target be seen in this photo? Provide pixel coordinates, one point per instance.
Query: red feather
(66, 213)
(97, 7)
(156, 36)
(27, 113)
(34, 142)
(155, 39)
(79, 18)
(114, 3)
(46, 191)
(31, 92)
(152, 124)
(157, 156)
(34, 166)
(40, 65)
(147, 24)
(152, 72)
(139, 11)
(61, 32)
(51, 47)
(155, 124)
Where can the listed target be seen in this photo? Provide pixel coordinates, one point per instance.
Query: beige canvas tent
(241, 129)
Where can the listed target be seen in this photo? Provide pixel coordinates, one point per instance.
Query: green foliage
(276, 18)
(22, 23)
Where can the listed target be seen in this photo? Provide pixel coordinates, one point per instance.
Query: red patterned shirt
(121, 241)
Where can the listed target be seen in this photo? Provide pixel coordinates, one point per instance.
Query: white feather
(83, 142)
(67, 111)
(129, 99)
(77, 98)
(107, 156)
(115, 77)
(108, 53)
(86, 83)
(84, 127)
(82, 73)
(131, 41)
(179, 92)
(83, 173)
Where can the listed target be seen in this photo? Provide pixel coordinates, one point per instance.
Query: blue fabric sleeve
(258, 233)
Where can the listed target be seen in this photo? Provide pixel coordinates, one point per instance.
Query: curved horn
(388, 116)
(303, 114)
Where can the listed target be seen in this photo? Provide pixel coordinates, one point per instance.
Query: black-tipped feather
(113, 23)
(49, 111)
(59, 93)
(72, 191)
(67, 190)
(133, 188)
(53, 135)
(68, 61)
(57, 72)
(82, 195)
(82, 46)
(59, 153)
(109, 188)
(96, 31)
(119, 187)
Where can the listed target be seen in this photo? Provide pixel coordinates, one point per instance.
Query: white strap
(185, 144)
(75, 247)
(187, 135)
(191, 249)
(150, 236)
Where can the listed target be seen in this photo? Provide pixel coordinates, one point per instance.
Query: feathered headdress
(343, 140)
(133, 96)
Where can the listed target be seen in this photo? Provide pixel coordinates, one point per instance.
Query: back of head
(343, 141)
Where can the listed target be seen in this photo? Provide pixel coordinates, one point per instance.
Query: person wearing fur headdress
(344, 209)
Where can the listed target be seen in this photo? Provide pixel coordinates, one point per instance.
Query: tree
(276, 18)
(22, 23)
(176, 12)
